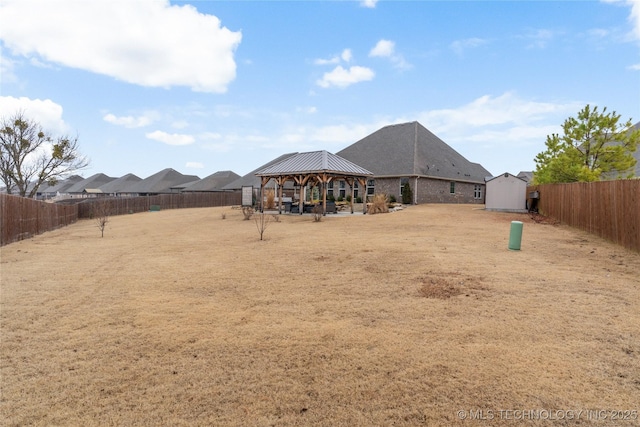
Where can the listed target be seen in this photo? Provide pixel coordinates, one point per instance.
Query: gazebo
(313, 168)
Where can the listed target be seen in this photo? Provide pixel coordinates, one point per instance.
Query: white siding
(506, 193)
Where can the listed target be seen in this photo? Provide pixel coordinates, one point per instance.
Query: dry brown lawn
(180, 318)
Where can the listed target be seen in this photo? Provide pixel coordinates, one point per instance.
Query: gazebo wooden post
(363, 184)
(324, 194)
(281, 184)
(350, 181)
(262, 183)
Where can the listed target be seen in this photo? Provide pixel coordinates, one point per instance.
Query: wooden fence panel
(23, 218)
(609, 209)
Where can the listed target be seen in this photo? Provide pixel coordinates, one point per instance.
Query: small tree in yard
(101, 211)
(262, 221)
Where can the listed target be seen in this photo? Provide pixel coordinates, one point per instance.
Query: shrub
(348, 198)
(247, 211)
(407, 195)
(271, 198)
(378, 204)
(358, 199)
(392, 199)
(317, 213)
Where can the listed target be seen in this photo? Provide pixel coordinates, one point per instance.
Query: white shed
(506, 192)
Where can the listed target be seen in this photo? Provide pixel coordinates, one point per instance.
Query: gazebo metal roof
(314, 162)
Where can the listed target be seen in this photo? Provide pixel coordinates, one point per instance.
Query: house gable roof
(121, 184)
(213, 182)
(94, 181)
(313, 162)
(410, 149)
(161, 182)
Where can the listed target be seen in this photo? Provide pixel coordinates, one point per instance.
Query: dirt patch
(447, 285)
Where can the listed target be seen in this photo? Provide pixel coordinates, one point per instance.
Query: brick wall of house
(439, 191)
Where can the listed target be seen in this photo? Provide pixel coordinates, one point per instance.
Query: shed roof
(314, 162)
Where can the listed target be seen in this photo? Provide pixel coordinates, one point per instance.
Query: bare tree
(29, 156)
(262, 221)
(101, 212)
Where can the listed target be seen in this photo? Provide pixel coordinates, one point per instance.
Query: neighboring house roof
(526, 175)
(62, 186)
(161, 182)
(410, 149)
(213, 182)
(313, 162)
(94, 181)
(121, 184)
(250, 179)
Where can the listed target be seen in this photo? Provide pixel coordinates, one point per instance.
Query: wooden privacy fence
(609, 209)
(22, 218)
(127, 205)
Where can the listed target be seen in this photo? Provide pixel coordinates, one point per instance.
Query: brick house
(410, 153)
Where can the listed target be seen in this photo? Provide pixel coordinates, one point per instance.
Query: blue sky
(204, 86)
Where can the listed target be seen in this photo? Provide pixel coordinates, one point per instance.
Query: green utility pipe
(515, 235)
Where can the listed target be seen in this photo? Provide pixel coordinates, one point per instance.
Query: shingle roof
(161, 182)
(314, 161)
(121, 184)
(94, 181)
(63, 185)
(213, 182)
(410, 149)
(250, 179)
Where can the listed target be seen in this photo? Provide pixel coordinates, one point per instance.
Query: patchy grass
(178, 318)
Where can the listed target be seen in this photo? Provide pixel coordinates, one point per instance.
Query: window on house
(330, 189)
(371, 186)
(477, 191)
(355, 189)
(452, 187)
(342, 191)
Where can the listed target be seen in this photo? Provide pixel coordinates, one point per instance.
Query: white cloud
(459, 46)
(341, 77)
(635, 67)
(371, 4)
(107, 38)
(539, 39)
(130, 121)
(44, 112)
(170, 138)
(387, 49)
(634, 16)
(345, 56)
(384, 48)
(194, 165)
